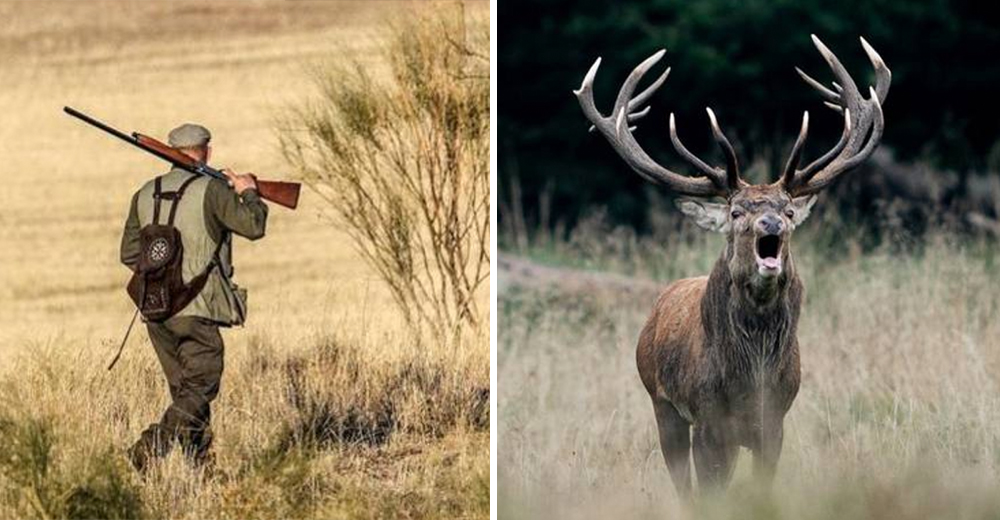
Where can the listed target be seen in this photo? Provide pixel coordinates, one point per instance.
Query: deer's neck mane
(748, 320)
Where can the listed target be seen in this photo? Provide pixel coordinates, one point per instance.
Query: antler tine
(732, 165)
(615, 129)
(643, 96)
(633, 116)
(585, 94)
(849, 90)
(827, 94)
(796, 154)
(883, 76)
(717, 175)
(807, 173)
(835, 107)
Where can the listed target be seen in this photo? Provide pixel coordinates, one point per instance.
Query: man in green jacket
(188, 344)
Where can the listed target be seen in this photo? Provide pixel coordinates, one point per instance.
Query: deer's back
(671, 341)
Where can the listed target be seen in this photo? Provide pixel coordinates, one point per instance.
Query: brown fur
(719, 356)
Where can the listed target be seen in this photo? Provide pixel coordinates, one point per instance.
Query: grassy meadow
(896, 417)
(329, 407)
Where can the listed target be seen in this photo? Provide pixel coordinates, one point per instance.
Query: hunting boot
(198, 444)
(201, 450)
(154, 443)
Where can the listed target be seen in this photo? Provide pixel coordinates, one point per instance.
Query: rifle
(279, 192)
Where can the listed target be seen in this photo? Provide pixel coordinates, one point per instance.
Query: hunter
(206, 213)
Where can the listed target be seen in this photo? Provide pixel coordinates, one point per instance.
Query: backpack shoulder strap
(157, 193)
(177, 198)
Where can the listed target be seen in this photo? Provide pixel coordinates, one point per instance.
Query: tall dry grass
(896, 418)
(343, 427)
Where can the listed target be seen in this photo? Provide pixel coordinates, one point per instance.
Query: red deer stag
(719, 354)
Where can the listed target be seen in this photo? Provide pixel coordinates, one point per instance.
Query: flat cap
(189, 135)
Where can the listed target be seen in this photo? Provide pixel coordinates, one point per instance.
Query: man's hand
(241, 182)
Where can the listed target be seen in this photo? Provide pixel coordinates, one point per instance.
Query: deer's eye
(789, 212)
(737, 213)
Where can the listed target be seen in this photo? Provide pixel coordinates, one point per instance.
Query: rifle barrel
(91, 121)
(205, 169)
(133, 140)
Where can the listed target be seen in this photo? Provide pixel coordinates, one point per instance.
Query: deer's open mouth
(769, 255)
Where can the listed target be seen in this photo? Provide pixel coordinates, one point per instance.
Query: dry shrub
(404, 164)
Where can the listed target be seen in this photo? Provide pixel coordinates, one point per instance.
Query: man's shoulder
(215, 190)
(147, 187)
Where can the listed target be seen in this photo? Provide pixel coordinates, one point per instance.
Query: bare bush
(404, 164)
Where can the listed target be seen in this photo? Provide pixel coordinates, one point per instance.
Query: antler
(860, 116)
(616, 129)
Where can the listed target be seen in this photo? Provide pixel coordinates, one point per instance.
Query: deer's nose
(770, 224)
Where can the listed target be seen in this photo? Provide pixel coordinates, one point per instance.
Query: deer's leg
(714, 456)
(768, 450)
(675, 444)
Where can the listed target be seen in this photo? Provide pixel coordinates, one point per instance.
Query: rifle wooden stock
(280, 192)
(176, 156)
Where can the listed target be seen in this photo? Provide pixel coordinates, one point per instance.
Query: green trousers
(190, 351)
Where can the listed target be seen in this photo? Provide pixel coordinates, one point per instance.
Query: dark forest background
(939, 156)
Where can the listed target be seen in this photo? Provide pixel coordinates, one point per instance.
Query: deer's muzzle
(768, 252)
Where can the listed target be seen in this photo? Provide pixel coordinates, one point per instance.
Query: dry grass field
(896, 418)
(328, 408)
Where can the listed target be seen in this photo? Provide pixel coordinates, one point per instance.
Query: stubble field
(328, 407)
(896, 417)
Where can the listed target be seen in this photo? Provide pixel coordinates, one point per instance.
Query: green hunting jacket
(209, 212)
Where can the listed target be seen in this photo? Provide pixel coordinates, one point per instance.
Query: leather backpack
(157, 286)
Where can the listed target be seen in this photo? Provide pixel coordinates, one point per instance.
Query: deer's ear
(708, 215)
(803, 205)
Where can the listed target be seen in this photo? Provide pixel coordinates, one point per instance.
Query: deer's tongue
(770, 262)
